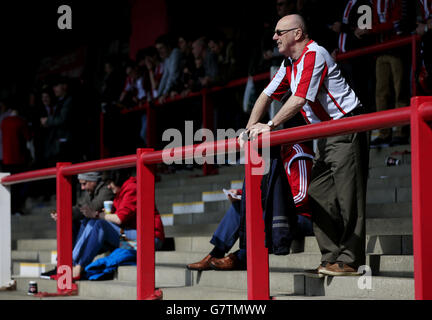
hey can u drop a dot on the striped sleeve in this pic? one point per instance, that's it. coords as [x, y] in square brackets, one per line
[312, 76]
[279, 84]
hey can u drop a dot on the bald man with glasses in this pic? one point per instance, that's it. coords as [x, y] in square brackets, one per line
[337, 191]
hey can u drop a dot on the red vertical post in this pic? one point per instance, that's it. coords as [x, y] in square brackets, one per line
[145, 230]
[207, 122]
[413, 65]
[64, 226]
[421, 175]
[257, 254]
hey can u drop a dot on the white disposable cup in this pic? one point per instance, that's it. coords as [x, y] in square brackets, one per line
[108, 206]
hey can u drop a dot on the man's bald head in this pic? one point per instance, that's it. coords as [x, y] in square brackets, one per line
[291, 35]
[294, 21]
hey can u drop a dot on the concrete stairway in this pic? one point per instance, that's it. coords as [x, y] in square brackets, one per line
[191, 209]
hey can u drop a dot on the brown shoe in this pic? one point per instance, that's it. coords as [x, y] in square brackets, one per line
[317, 272]
[339, 269]
[204, 264]
[230, 262]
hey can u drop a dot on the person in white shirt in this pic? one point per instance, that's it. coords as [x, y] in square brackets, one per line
[338, 188]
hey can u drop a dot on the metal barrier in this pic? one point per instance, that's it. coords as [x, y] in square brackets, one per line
[419, 115]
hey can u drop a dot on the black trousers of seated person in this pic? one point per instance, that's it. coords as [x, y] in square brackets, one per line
[337, 196]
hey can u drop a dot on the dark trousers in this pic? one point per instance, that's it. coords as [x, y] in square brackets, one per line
[338, 198]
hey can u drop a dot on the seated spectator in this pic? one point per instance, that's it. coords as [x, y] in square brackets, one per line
[170, 55]
[95, 192]
[102, 231]
[297, 161]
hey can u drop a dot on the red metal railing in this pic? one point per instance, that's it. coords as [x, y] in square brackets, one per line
[419, 115]
[258, 285]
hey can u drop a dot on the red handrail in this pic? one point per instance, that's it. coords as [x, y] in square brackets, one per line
[391, 44]
[421, 140]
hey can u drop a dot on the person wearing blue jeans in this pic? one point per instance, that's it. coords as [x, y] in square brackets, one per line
[97, 236]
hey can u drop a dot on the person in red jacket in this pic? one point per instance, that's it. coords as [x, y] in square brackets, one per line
[16, 157]
[101, 228]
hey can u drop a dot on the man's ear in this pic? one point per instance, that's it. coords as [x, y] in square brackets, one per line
[299, 34]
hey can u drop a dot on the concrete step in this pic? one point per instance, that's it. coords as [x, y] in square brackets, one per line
[388, 182]
[185, 174]
[281, 282]
[165, 276]
[33, 256]
[375, 244]
[392, 288]
[194, 207]
[389, 226]
[391, 265]
[295, 262]
[378, 156]
[396, 171]
[198, 218]
[37, 244]
[388, 195]
[202, 181]
[389, 210]
[198, 189]
[389, 244]
[26, 269]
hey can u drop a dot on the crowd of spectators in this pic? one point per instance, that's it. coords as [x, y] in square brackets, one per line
[62, 122]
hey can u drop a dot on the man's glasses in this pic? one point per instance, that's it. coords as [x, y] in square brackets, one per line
[281, 32]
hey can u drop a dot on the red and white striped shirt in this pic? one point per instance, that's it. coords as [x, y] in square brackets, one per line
[316, 77]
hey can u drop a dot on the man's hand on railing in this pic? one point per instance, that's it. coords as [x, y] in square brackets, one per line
[257, 129]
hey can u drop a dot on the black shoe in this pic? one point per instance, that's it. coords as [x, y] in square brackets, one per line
[380, 143]
[48, 274]
[397, 141]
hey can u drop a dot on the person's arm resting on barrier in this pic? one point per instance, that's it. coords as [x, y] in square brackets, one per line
[288, 110]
